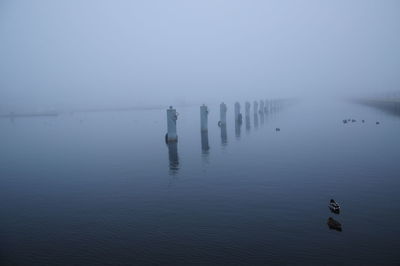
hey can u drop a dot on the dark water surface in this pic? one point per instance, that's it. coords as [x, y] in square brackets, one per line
[105, 189]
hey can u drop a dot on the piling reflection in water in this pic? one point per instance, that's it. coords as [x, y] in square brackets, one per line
[204, 142]
[224, 135]
[247, 109]
[266, 107]
[173, 157]
[247, 121]
[205, 148]
[255, 120]
[238, 126]
[262, 118]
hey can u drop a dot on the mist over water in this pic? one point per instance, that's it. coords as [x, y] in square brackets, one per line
[88, 176]
[99, 54]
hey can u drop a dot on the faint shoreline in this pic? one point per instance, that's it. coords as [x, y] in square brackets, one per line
[89, 110]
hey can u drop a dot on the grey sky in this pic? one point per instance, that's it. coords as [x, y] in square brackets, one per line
[71, 54]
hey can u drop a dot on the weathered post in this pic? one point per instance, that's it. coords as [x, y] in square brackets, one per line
[238, 115]
[203, 118]
[247, 116]
[172, 116]
[222, 114]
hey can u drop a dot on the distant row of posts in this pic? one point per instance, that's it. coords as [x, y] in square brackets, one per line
[259, 108]
[263, 107]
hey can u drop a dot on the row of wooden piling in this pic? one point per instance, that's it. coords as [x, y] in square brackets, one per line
[259, 107]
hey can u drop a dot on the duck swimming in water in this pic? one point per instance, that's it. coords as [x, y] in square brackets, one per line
[334, 206]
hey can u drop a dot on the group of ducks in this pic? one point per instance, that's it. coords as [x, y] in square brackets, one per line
[351, 120]
[332, 223]
[345, 121]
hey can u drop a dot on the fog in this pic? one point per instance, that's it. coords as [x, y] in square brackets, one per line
[99, 54]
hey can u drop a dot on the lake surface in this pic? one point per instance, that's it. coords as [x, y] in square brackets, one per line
[104, 188]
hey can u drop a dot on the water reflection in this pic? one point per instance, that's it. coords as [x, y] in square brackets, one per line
[224, 135]
[204, 142]
[238, 126]
[255, 120]
[334, 225]
[266, 108]
[205, 148]
[173, 157]
[247, 121]
[262, 118]
[247, 109]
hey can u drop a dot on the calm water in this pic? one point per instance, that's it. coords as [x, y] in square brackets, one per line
[105, 189]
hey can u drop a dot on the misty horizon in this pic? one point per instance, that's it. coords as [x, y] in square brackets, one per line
[96, 54]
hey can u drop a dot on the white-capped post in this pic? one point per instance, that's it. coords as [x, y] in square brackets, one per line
[203, 118]
[172, 116]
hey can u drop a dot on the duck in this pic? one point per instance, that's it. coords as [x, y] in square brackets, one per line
[334, 206]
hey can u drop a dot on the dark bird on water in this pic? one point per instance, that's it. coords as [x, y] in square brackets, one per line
[334, 206]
